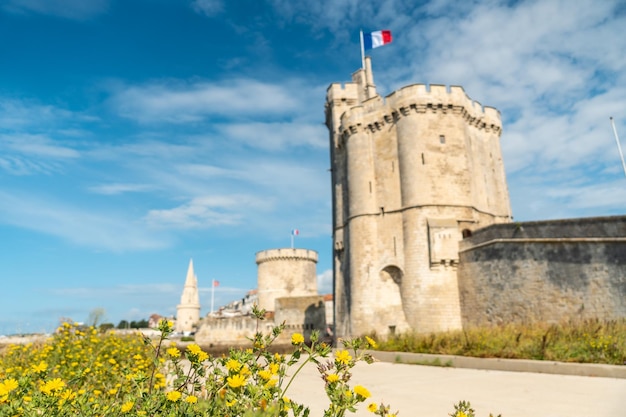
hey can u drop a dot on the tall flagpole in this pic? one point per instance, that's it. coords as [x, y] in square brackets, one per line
[619, 148]
[362, 51]
[212, 293]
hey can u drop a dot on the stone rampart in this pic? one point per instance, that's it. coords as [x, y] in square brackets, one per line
[544, 271]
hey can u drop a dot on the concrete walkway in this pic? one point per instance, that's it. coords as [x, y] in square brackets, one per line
[429, 391]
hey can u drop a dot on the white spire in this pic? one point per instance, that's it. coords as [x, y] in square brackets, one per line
[188, 311]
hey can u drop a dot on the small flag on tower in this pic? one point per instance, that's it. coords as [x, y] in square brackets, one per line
[295, 232]
[216, 283]
[375, 39]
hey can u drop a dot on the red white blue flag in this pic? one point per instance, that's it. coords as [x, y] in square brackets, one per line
[375, 39]
[295, 232]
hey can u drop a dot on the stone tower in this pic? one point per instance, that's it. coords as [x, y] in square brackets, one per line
[412, 173]
[285, 273]
[188, 311]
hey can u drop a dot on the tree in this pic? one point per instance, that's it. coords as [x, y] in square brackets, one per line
[106, 326]
[96, 316]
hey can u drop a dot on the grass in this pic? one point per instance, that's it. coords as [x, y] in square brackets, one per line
[585, 341]
[434, 362]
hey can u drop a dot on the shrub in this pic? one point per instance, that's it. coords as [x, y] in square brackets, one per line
[87, 373]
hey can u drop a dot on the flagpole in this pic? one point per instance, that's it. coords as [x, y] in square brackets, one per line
[619, 148]
[291, 240]
[362, 51]
[212, 293]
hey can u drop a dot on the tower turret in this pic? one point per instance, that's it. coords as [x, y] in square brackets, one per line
[412, 173]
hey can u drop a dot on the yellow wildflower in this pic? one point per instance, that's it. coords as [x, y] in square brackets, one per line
[286, 403]
[53, 385]
[233, 365]
[236, 381]
[245, 371]
[173, 396]
[297, 339]
[40, 368]
[231, 402]
[68, 394]
[372, 407]
[166, 325]
[274, 368]
[197, 353]
[265, 374]
[127, 406]
[343, 356]
[191, 399]
[461, 414]
[371, 342]
[173, 352]
[10, 384]
[332, 378]
[361, 391]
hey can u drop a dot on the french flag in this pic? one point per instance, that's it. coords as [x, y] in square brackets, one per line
[295, 232]
[375, 39]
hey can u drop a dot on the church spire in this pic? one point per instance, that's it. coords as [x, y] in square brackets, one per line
[188, 311]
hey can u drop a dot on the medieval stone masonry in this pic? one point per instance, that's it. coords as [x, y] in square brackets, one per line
[423, 235]
[413, 174]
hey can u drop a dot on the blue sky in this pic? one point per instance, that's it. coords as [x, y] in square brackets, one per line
[138, 134]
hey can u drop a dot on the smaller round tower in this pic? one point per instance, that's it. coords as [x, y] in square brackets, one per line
[188, 311]
[285, 273]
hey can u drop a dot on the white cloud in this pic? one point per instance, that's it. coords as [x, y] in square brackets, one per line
[122, 290]
[82, 226]
[277, 136]
[205, 212]
[36, 145]
[208, 7]
[70, 9]
[113, 189]
[174, 102]
[325, 282]
[18, 114]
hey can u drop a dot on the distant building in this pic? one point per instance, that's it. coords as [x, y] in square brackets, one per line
[154, 320]
[287, 291]
[188, 311]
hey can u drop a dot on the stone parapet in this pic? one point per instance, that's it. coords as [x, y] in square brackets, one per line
[286, 254]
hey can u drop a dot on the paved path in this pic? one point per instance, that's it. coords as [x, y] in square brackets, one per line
[430, 391]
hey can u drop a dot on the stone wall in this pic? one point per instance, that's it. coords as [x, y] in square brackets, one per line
[230, 331]
[301, 315]
[544, 271]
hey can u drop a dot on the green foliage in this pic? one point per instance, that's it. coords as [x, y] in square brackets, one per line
[83, 372]
[587, 341]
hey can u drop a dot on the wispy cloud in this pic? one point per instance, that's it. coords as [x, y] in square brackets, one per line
[113, 189]
[206, 211]
[178, 102]
[123, 290]
[277, 136]
[69, 9]
[18, 114]
[208, 7]
[36, 145]
[82, 226]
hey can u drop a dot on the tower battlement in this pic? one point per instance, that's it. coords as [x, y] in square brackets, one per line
[286, 254]
[377, 112]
